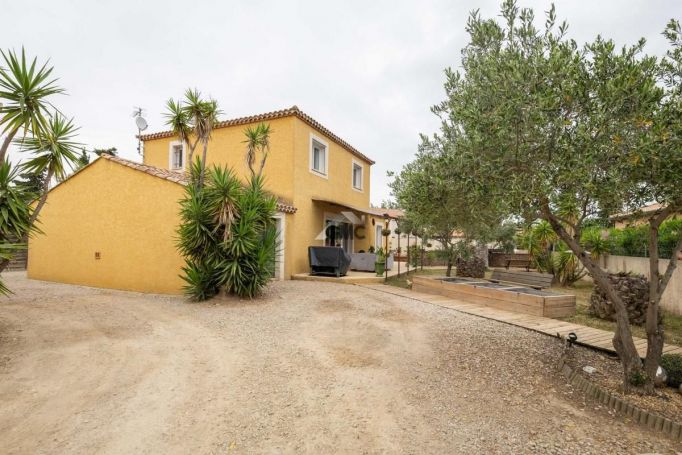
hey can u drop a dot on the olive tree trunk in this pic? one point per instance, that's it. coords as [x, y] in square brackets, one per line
[657, 284]
[622, 338]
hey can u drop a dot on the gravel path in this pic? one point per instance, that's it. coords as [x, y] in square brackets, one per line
[312, 368]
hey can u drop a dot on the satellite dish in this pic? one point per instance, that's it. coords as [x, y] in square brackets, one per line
[141, 123]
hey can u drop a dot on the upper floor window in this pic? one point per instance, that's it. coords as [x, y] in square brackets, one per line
[357, 176]
[176, 156]
[318, 156]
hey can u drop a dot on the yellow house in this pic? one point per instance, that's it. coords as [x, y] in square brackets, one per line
[113, 223]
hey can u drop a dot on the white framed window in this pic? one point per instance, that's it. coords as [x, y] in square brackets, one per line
[357, 176]
[176, 156]
[319, 156]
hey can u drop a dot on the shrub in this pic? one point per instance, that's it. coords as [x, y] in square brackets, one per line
[634, 240]
[227, 235]
[638, 378]
[672, 364]
[415, 255]
[567, 267]
[596, 242]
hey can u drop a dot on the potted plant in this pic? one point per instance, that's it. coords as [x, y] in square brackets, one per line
[380, 263]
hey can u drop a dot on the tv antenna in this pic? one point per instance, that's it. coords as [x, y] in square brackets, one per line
[141, 124]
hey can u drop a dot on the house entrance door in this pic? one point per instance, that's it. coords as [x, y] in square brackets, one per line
[340, 234]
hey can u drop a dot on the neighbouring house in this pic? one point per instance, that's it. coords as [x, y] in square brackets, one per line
[113, 223]
[635, 218]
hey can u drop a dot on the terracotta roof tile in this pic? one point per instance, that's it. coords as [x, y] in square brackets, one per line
[292, 111]
[177, 177]
[180, 178]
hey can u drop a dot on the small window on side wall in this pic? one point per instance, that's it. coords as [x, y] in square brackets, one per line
[318, 156]
[357, 176]
[176, 156]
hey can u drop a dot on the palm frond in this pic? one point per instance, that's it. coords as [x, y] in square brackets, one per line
[25, 89]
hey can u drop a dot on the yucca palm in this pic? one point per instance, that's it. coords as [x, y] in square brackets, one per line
[222, 200]
[193, 117]
[257, 141]
[15, 212]
[204, 129]
[24, 91]
[228, 235]
[54, 152]
[568, 267]
[544, 234]
[596, 241]
[14, 216]
[178, 120]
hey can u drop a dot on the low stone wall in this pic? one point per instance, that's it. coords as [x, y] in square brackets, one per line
[672, 297]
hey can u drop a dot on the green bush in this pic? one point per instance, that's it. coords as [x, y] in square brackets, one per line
[415, 255]
[634, 240]
[227, 235]
[638, 378]
[672, 364]
[668, 236]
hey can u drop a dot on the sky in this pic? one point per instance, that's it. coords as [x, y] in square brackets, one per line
[367, 70]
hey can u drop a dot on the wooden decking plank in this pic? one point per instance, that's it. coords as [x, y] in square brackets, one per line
[639, 343]
[564, 331]
[553, 331]
[598, 337]
[588, 336]
[550, 323]
[585, 332]
[607, 339]
[671, 348]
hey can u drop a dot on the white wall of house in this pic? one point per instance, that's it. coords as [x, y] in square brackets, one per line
[672, 297]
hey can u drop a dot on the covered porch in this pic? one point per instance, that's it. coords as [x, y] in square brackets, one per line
[356, 231]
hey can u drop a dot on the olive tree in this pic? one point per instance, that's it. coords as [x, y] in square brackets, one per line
[542, 124]
[428, 190]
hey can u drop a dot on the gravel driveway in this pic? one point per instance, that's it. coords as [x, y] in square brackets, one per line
[313, 368]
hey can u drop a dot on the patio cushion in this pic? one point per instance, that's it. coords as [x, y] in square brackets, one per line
[365, 262]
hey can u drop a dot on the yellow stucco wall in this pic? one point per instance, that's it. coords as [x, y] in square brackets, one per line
[337, 186]
[129, 217]
[288, 175]
[227, 148]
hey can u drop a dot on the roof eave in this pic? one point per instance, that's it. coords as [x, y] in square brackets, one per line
[293, 111]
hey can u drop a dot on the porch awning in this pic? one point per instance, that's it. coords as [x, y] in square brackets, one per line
[369, 210]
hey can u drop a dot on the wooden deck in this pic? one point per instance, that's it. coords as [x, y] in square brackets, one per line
[587, 336]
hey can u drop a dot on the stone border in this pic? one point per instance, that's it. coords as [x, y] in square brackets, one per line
[651, 420]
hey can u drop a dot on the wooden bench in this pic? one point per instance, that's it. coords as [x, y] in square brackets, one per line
[518, 263]
[535, 280]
